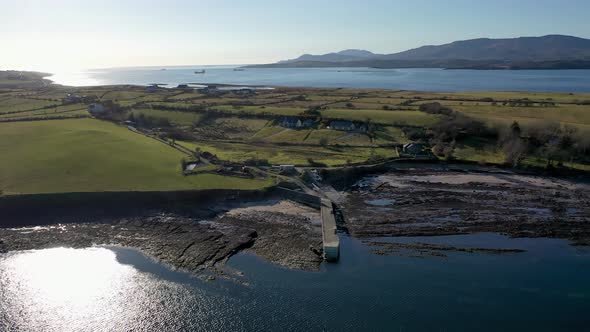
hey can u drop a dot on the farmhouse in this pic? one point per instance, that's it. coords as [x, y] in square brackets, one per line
[413, 148]
[154, 87]
[296, 123]
[72, 98]
[345, 125]
[96, 108]
[211, 90]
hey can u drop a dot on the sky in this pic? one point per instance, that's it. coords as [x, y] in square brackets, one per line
[80, 34]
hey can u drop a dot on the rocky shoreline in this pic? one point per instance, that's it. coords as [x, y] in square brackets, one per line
[398, 203]
[288, 238]
[420, 249]
[421, 202]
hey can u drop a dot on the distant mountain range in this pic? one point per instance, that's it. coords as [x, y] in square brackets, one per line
[346, 55]
[547, 52]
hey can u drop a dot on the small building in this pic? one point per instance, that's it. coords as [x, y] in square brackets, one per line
[413, 148]
[96, 108]
[152, 88]
[72, 98]
[292, 123]
[308, 123]
[296, 123]
[346, 125]
[211, 90]
[245, 92]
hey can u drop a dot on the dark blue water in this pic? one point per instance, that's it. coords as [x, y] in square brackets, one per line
[397, 79]
[543, 289]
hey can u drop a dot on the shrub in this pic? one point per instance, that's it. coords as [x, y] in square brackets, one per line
[435, 108]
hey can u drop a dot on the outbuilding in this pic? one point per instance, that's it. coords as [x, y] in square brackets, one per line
[96, 108]
[413, 148]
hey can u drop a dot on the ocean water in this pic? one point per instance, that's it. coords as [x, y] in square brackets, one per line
[397, 79]
[116, 289]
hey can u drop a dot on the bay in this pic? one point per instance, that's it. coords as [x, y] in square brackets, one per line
[571, 81]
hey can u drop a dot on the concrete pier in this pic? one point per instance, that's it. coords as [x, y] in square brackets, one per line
[329, 235]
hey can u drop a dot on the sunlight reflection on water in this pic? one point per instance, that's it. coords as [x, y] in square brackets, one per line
[89, 290]
[78, 78]
[120, 289]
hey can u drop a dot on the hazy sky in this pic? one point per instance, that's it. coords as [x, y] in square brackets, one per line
[52, 34]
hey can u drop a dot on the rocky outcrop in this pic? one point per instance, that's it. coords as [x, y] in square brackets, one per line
[291, 241]
[290, 238]
[180, 242]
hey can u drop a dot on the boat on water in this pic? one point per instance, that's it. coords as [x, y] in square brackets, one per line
[202, 71]
[238, 69]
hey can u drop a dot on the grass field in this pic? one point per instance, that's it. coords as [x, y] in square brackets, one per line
[177, 118]
[88, 155]
[413, 118]
[291, 155]
[494, 155]
[75, 110]
[575, 115]
[15, 104]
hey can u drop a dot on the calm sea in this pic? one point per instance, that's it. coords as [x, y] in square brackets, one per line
[115, 289]
[397, 79]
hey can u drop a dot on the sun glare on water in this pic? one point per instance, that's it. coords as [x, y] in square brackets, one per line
[61, 275]
[73, 77]
[61, 289]
[50, 289]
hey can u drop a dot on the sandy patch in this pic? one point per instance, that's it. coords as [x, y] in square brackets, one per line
[402, 181]
[282, 206]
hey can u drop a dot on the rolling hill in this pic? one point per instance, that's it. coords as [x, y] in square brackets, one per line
[547, 52]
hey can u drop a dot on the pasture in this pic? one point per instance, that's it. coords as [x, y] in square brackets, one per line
[87, 155]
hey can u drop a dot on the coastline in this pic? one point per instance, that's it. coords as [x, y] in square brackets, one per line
[192, 231]
[198, 235]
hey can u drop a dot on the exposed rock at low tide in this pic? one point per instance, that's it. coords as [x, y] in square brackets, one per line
[428, 249]
[177, 241]
[192, 244]
[429, 202]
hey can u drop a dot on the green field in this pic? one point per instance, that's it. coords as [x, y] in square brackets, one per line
[291, 155]
[42, 151]
[88, 155]
[177, 118]
[576, 115]
[413, 118]
[16, 104]
[75, 110]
